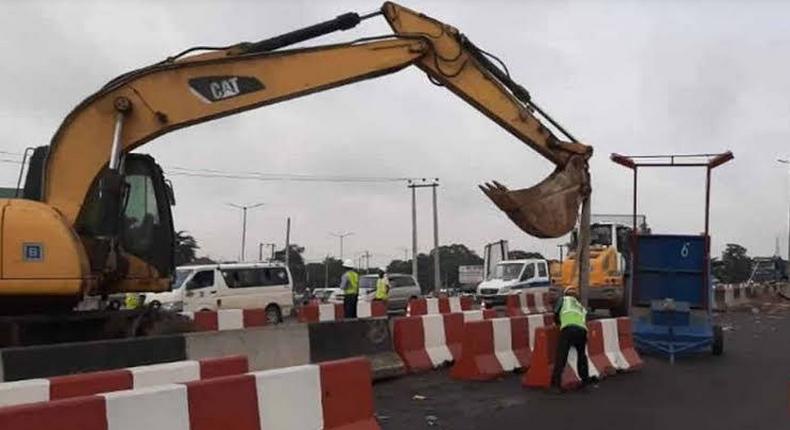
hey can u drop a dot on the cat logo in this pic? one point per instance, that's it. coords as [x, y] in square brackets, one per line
[212, 89]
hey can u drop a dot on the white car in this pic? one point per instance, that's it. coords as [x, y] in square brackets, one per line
[512, 277]
[229, 286]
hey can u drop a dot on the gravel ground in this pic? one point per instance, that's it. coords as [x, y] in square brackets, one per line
[746, 388]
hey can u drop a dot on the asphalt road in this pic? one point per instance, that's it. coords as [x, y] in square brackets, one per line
[746, 388]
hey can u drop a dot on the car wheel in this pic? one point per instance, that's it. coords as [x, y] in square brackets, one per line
[155, 305]
[273, 314]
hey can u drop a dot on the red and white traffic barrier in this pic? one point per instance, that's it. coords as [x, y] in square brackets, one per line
[726, 296]
[610, 348]
[441, 305]
[428, 341]
[525, 303]
[227, 319]
[479, 315]
[335, 395]
[371, 309]
[492, 347]
[318, 312]
[83, 384]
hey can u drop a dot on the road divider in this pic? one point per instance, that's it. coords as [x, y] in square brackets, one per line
[317, 312]
[83, 384]
[227, 319]
[428, 341]
[334, 395]
[441, 305]
[492, 347]
[369, 337]
[525, 303]
[610, 348]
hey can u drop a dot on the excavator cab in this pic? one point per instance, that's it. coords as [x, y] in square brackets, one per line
[126, 222]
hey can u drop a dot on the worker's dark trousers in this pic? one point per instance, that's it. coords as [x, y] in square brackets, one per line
[571, 336]
[350, 305]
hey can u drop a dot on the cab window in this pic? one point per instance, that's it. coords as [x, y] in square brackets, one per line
[255, 277]
[202, 279]
[529, 272]
[542, 272]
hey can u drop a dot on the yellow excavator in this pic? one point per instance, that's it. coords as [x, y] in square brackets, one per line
[95, 219]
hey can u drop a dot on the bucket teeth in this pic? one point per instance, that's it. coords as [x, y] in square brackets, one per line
[549, 209]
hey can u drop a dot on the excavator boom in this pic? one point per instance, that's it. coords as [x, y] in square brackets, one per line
[82, 171]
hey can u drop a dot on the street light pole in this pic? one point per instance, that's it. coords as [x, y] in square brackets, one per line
[787, 162]
[244, 223]
[341, 236]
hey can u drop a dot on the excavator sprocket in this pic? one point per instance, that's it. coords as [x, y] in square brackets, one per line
[549, 209]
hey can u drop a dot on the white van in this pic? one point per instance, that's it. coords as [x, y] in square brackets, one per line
[513, 277]
[230, 286]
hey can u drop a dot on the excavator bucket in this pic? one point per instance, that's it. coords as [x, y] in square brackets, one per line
[549, 209]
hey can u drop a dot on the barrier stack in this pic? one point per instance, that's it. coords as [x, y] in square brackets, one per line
[318, 312]
[525, 303]
[227, 319]
[610, 349]
[441, 305]
[332, 395]
[83, 384]
[492, 347]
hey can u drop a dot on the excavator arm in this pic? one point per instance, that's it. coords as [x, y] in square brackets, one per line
[89, 152]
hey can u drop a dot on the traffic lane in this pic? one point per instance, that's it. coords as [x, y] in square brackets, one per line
[746, 388]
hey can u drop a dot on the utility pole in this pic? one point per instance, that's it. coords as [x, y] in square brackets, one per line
[434, 183]
[288, 243]
[341, 236]
[366, 254]
[326, 272]
[787, 162]
[561, 247]
[244, 223]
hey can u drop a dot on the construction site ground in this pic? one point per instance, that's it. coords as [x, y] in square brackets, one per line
[746, 388]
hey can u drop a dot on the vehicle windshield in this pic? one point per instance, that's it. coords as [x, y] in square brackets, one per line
[601, 234]
[181, 276]
[367, 282]
[507, 271]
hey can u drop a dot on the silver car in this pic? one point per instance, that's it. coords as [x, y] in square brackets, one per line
[402, 288]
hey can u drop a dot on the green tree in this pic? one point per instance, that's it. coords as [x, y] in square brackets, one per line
[316, 273]
[185, 249]
[735, 265]
[295, 264]
[450, 257]
[518, 254]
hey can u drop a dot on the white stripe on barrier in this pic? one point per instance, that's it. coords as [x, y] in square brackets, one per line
[364, 309]
[611, 344]
[165, 373]
[290, 398]
[573, 357]
[164, 407]
[539, 305]
[503, 344]
[473, 316]
[432, 305]
[534, 321]
[21, 392]
[435, 342]
[230, 319]
[326, 312]
[455, 304]
[190, 315]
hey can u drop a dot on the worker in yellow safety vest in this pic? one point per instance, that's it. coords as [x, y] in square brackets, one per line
[571, 315]
[382, 287]
[349, 283]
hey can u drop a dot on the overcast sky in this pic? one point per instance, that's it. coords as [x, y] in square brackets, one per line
[630, 77]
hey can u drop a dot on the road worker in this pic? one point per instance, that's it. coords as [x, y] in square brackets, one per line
[571, 316]
[349, 283]
[382, 287]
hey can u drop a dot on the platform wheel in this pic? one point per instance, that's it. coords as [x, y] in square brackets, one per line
[718, 340]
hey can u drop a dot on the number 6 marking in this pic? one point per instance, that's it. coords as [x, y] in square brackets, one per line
[684, 252]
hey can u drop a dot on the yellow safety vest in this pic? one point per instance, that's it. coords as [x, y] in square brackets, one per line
[572, 313]
[352, 286]
[381, 289]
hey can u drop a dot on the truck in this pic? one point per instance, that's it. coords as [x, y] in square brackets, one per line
[610, 260]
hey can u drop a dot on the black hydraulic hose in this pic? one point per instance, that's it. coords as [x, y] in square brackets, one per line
[343, 22]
